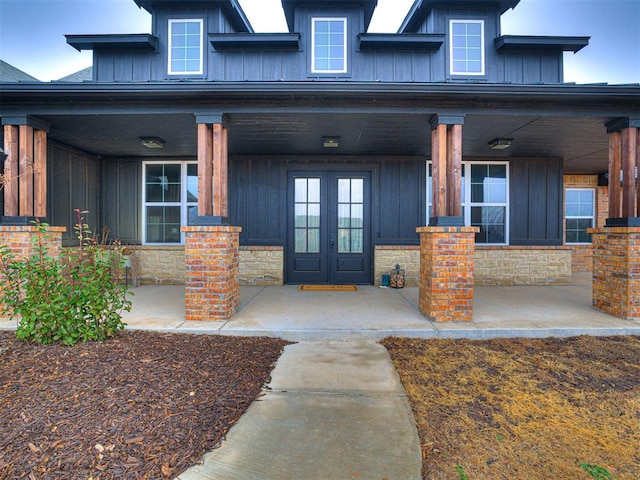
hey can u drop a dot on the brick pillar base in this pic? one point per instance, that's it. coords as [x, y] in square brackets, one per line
[616, 271]
[446, 273]
[21, 242]
[212, 283]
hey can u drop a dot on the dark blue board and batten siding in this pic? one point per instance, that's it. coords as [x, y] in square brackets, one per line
[269, 62]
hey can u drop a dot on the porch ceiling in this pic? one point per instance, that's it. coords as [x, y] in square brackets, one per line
[581, 141]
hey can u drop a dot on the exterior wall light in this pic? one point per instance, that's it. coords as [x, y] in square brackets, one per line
[500, 143]
[152, 142]
[331, 142]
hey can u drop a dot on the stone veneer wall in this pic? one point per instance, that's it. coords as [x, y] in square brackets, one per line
[261, 265]
[514, 265]
[386, 257]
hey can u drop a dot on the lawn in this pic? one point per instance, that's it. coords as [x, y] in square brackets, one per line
[139, 406]
[524, 409]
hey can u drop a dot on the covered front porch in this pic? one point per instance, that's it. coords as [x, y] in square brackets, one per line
[374, 313]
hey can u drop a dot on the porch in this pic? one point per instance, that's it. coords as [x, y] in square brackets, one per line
[374, 313]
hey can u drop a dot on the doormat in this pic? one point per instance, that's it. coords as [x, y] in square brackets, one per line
[328, 288]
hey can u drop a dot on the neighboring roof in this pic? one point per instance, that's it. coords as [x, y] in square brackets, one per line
[231, 8]
[128, 42]
[9, 73]
[522, 43]
[421, 9]
[85, 75]
[289, 7]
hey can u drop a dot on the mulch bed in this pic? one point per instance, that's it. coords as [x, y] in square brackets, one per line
[524, 408]
[139, 406]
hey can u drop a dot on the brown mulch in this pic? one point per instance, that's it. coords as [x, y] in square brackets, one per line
[139, 406]
[524, 408]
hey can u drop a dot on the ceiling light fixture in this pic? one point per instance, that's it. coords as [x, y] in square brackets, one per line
[331, 142]
[500, 143]
[152, 142]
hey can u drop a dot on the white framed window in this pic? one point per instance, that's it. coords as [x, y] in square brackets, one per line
[170, 200]
[185, 47]
[580, 214]
[466, 47]
[485, 200]
[329, 45]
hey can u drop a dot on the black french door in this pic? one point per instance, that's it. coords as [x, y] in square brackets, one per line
[328, 227]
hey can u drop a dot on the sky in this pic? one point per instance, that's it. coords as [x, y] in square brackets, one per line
[32, 31]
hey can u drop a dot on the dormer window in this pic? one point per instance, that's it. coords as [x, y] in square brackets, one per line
[185, 47]
[329, 45]
[466, 53]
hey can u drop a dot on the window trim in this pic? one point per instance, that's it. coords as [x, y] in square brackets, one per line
[183, 204]
[467, 204]
[452, 71]
[345, 63]
[592, 216]
[172, 21]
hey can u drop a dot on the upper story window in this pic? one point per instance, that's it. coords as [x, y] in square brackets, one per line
[329, 45]
[185, 47]
[466, 47]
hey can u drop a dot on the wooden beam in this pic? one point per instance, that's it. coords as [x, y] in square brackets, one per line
[638, 169]
[205, 171]
[26, 171]
[224, 204]
[11, 149]
[615, 145]
[439, 171]
[629, 172]
[40, 173]
[220, 167]
[454, 171]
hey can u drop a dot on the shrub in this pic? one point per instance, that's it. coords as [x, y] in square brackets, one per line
[69, 298]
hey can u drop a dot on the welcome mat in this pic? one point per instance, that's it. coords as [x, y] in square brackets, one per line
[328, 288]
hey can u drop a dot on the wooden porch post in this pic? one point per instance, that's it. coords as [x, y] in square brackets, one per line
[213, 190]
[629, 172]
[205, 171]
[25, 174]
[624, 145]
[446, 171]
[614, 174]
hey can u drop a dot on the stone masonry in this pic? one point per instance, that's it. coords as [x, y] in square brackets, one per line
[616, 271]
[212, 286]
[447, 271]
[510, 265]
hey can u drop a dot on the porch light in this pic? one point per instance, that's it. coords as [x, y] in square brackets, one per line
[152, 142]
[500, 143]
[331, 142]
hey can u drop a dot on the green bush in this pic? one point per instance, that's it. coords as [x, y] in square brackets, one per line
[68, 299]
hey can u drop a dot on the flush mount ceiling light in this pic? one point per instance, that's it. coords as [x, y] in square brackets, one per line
[331, 142]
[152, 142]
[500, 143]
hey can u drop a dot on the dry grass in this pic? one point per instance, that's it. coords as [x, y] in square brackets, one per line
[524, 409]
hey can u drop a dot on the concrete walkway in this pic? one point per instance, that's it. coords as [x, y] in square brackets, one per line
[332, 411]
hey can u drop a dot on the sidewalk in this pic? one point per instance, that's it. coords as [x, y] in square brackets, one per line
[333, 410]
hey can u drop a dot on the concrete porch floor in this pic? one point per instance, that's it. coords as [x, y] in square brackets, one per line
[374, 313]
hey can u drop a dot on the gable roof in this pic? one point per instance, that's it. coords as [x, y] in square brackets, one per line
[84, 75]
[289, 7]
[9, 73]
[421, 9]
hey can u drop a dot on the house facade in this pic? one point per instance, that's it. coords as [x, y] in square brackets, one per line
[322, 154]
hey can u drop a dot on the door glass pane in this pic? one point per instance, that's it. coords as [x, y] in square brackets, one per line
[350, 215]
[344, 215]
[344, 190]
[344, 240]
[307, 215]
[357, 190]
[357, 216]
[357, 241]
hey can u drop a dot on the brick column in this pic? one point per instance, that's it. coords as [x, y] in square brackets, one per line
[446, 273]
[212, 285]
[616, 271]
[19, 239]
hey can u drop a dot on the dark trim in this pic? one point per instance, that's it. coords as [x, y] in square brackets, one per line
[535, 242]
[539, 44]
[210, 221]
[21, 221]
[255, 41]
[620, 124]
[446, 221]
[26, 120]
[406, 41]
[438, 119]
[139, 42]
[623, 222]
[212, 119]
